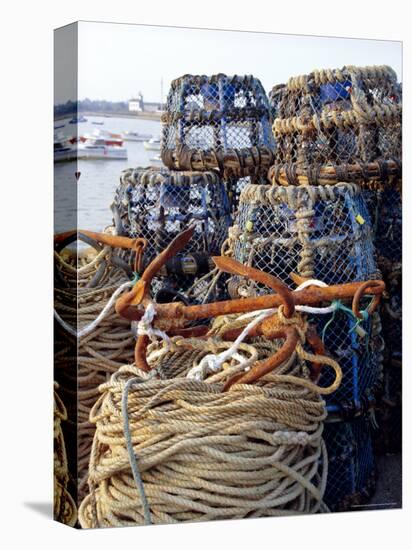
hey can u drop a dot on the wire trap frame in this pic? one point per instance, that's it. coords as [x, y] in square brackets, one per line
[323, 233]
[157, 204]
[351, 463]
[217, 122]
[338, 125]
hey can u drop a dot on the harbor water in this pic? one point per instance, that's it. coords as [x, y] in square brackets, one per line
[97, 179]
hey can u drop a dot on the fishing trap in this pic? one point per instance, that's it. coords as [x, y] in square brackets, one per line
[217, 122]
[157, 204]
[322, 233]
[351, 463]
[338, 125]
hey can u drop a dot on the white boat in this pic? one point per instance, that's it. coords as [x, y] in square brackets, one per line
[135, 136]
[76, 120]
[64, 148]
[156, 159]
[152, 145]
[96, 148]
[109, 137]
[64, 151]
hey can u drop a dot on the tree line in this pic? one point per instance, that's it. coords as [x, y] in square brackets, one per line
[90, 105]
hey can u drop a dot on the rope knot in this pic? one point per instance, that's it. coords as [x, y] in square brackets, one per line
[297, 320]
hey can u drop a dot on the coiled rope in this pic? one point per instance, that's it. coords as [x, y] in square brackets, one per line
[64, 508]
[202, 453]
[102, 343]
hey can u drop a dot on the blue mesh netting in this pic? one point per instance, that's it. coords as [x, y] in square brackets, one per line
[216, 115]
[323, 234]
[158, 204]
[351, 465]
[386, 208]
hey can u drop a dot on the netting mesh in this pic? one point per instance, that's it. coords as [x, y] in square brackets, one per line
[388, 243]
[218, 122]
[389, 411]
[351, 465]
[318, 232]
[323, 233]
[386, 206]
[235, 186]
[158, 204]
[361, 359]
[337, 125]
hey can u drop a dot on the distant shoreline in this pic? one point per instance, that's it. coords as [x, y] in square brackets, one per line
[141, 115]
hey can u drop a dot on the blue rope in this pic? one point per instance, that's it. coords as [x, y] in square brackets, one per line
[132, 457]
[136, 277]
[341, 307]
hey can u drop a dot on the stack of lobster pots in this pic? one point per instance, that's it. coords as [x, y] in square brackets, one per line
[331, 211]
[219, 123]
[216, 135]
[301, 187]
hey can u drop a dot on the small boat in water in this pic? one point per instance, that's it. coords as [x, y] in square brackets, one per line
[59, 127]
[64, 149]
[109, 137]
[152, 145]
[96, 148]
[135, 136]
[77, 120]
[97, 122]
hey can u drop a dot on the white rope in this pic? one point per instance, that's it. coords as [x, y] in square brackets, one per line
[68, 328]
[311, 282]
[317, 310]
[94, 324]
[144, 327]
[213, 363]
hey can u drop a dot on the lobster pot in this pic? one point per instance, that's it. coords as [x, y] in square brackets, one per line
[386, 206]
[360, 355]
[217, 122]
[351, 464]
[84, 362]
[338, 125]
[324, 233]
[389, 411]
[157, 204]
[388, 243]
[204, 453]
[321, 232]
[235, 187]
[64, 508]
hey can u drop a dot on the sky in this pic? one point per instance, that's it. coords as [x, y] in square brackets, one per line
[116, 61]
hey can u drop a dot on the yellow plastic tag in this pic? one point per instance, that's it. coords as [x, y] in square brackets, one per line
[359, 219]
[249, 225]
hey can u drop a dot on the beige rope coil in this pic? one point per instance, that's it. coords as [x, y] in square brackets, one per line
[64, 508]
[83, 364]
[204, 454]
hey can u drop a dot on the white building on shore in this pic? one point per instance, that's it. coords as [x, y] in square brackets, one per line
[136, 104]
